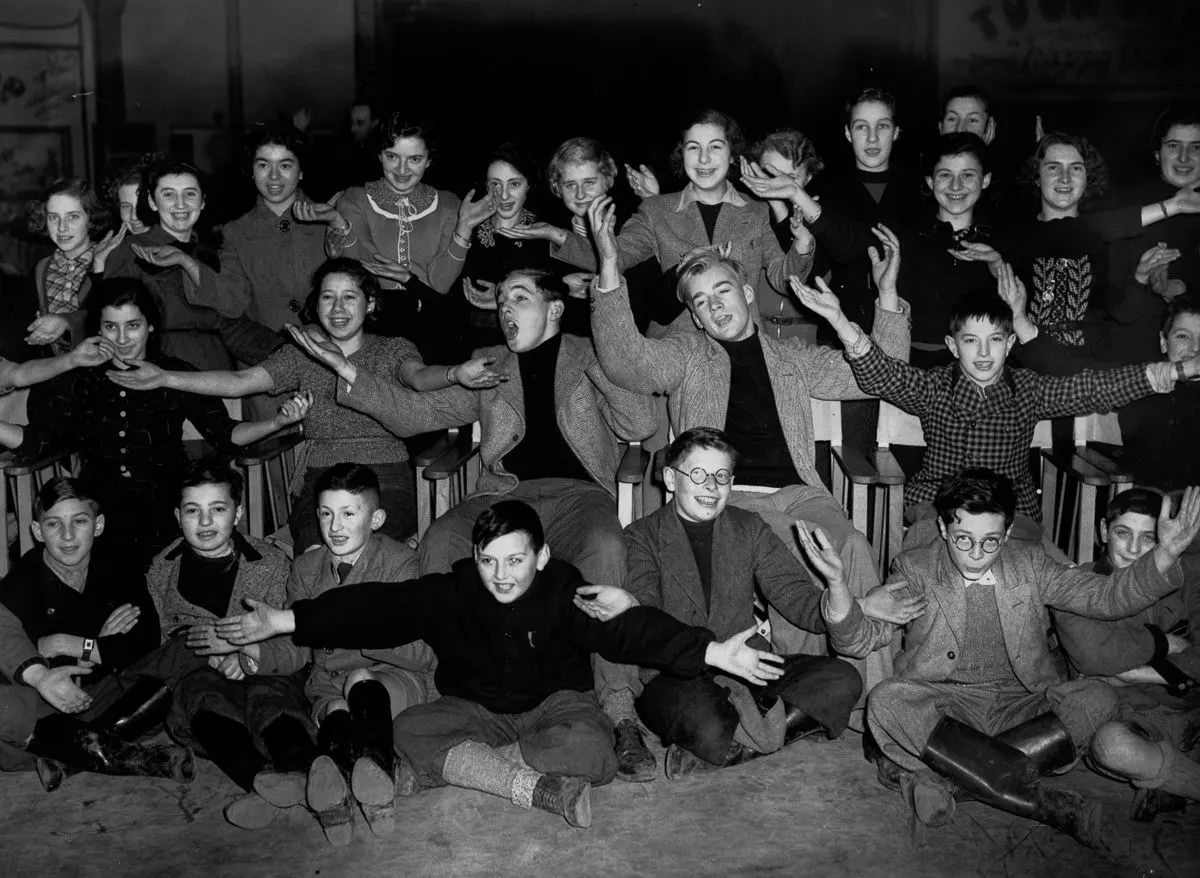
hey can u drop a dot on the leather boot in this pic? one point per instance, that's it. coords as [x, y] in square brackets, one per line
[635, 762]
[681, 762]
[1045, 741]
[329, 798]
[1002, 776]
[77, 747]
[798, 724]
[140, 710]
[228, 744]
[372, 780]
[568, 796]
[335, 738]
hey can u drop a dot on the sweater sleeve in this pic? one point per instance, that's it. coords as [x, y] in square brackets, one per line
[1124, 592]
[629, 358]
[406, 412]
[1092, 390]
[1103, 648]
[17, 651]
[902, 385]
[643, 636]
[370, 615]
[121, 650]
[447, 262]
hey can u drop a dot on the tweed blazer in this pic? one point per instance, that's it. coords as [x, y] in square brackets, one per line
[694, 370]
[668, 227]
[262, 574]
[383, 560]
[592, 412]
[1028, 582]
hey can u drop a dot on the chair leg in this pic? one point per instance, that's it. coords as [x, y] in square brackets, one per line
[1086, 520]
[254, 500]
[25, 493]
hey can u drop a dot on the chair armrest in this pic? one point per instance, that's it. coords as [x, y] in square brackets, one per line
[887, 468]
[23, 466]
[1100, 458]
[632, 469]
[854, 464]
[269, 448]
[461, 449]
[435, 449]
[1068, 461]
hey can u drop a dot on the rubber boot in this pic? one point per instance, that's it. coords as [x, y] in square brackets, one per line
[373, 780]
[228, 745]
[798, 724]
[1045, 741]
[291, 751]
[140, 710]
[568, 796]
[78, 747]
[335, 738]
[1002, 776]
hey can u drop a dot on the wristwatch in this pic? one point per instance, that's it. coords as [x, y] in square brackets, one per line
[88, 646]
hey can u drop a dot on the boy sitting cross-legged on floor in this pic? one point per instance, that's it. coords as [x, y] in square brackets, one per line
[355, 692]
[518, 717]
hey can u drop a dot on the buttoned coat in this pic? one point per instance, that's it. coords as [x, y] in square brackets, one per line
[1028, 581]
[694, 370]
[591, 411]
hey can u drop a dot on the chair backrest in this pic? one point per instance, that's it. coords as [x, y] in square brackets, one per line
[1104, 428]
[827, 421]
[898, 427]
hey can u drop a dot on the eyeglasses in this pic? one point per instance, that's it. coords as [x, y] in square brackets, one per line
[964, 543]
[699, 475]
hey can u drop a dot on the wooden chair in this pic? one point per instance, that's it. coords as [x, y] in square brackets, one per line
[850, 474]
[269, 465]
[1096, 438]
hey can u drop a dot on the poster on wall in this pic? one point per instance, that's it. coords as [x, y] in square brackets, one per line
[1065, 50]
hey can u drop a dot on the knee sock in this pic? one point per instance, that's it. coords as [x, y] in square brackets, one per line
[1178, 774]
[477, 766]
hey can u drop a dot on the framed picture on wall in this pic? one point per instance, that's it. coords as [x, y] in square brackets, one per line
[31, 157]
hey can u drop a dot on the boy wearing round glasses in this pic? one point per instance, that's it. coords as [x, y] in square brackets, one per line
[977, 705]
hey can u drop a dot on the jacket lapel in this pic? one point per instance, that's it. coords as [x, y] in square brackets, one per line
[1010, 602]
[680, 563]
[568, 371]
[511, 415]
[947, 590]
[729, 563]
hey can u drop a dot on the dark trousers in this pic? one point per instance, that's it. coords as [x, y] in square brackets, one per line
[697, 714]
[567, 733]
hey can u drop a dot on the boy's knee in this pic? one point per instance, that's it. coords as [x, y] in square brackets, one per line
[353, 678]
[1124, 749]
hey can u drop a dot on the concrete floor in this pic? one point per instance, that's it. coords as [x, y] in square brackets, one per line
[814, 809]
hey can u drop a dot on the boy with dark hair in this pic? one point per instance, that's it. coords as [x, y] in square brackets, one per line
[702, 560]
[1152, 662]
[976, 411]
[517, 717]
[69, 609]
[355, 693]
[977, 702]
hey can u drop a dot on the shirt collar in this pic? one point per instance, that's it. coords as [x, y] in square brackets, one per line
[729, 196]
[988, 578]
[240, 545]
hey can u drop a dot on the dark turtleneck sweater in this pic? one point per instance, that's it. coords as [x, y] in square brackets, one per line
[543, 452]
[752, 419]
[700, 537]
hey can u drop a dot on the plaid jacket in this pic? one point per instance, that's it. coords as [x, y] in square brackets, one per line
[967, 425]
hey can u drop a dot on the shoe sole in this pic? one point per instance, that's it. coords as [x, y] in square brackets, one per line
[375, 793]
[250, 812]
[283, 790]
[578, 810]
[329, 798]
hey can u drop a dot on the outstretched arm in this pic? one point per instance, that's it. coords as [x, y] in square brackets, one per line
[143, 375]
[90, 352]
[291, 412]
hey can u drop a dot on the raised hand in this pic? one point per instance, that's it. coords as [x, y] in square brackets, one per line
[202, 639]
[1176, 533]
[577, 283]
[885, 268]
[160, 255]
[884, 603]
[1187, 200]
[46, 328]
[821, 555]
[313, 342]
[1158, 256]
[735, 657]
[317, 212]
[106, 246]
[774, 186]
[120, 620]
[294, 410]
[480, 293]
[1011, 290]
[603, 602]
[1164, 285]
[262, 622]
[92, 352]
[602, 218]
[138, 375]
[477, 373]
[821, 300]
[59, 689]
[392, 271]
[472, 213]
[642, 181]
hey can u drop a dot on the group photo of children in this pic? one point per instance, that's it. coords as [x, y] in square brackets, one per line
[380, 492]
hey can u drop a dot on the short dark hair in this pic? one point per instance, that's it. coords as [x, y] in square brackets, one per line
[213, 472]
[576, 151]
[968, 91]
[701, 437]
[549, 283]
[515, 155]
[274, 135]
[1168, 119]
[62, 488]
[133, 174]
[1185, 304]
[983, 305]
[976, 491]
[354, 478]
[794, 146]
[367, 282]
[1141, 501]
[1093, 163]
[113, 292]
[871, 95]
[166, 168]
[698, 263]
[733, 136]
[396, 126]
[955, 143]
[98, 216]
[506, 517]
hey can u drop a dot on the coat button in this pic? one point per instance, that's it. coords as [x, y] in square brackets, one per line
[950, 655]
[328, 651]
